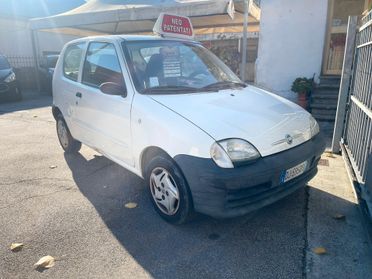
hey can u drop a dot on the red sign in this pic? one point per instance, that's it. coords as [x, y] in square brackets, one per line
[176, 24]
[173, 26]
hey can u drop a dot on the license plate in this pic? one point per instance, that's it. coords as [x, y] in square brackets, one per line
[293, 172]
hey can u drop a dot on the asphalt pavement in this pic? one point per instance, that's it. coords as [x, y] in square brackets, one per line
[72, 208]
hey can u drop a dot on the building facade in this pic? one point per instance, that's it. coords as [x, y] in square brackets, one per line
[302, 39]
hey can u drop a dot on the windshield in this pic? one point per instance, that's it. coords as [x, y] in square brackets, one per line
[176, 67]
[4, 63]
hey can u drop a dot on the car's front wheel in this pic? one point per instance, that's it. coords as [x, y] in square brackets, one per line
[68, 143]
[17, 94]
[169, 191]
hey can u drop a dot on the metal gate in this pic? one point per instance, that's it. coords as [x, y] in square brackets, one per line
[357, 135]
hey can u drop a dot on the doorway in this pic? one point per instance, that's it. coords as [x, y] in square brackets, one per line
[338, 13]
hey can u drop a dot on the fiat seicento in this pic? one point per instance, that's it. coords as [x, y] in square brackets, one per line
[171, 112]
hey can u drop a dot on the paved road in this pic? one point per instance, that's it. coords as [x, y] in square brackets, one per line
[75, 212]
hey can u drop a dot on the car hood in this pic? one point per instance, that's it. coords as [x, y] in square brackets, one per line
[4, 73]
[262, 118]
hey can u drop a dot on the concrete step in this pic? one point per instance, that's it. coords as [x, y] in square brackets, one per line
[328, 87]
[323, 105]
[329, 76]
[325, 93]
[319, 113]
[323, 111]
[326, 118]
[325, 96]
[323, 101]
[329, 79]
[320, 97]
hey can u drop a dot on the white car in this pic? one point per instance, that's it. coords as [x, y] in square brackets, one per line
[171, 112]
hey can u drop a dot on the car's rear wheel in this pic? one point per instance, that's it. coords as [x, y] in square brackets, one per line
[169, 191]
[68, 143]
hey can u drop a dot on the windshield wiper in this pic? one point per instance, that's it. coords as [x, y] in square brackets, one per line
[169, 89]
[225, 85]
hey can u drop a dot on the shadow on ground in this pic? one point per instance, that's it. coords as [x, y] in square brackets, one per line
[268, 243]
[36, 102]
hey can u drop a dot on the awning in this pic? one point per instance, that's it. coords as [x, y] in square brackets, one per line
[139, 16]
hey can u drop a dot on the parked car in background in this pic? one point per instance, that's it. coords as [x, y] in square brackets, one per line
[46, 70]
[9, 88]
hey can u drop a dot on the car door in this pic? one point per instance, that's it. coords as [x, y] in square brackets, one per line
[104, 118]
[66, 84]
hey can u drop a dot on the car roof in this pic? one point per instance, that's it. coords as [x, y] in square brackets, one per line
[128, 38]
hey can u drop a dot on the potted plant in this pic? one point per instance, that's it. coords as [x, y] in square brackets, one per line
[302, 86]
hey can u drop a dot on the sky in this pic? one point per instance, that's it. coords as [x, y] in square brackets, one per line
[36, 8]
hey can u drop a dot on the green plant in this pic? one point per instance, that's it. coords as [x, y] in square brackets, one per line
[302, 85]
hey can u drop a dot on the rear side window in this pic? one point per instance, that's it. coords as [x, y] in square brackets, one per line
[102, 65]
[71, 61]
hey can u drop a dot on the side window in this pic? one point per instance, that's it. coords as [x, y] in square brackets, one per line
[71, 61]
[102, 65]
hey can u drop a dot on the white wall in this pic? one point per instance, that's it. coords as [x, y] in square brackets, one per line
[52, 41]
[291, 41]
[15, 38]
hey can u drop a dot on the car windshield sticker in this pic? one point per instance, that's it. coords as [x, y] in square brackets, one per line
[154, 81]
[172, 67]
[171, 62]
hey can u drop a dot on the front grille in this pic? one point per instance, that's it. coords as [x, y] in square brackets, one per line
[250, 195]
[246, 193]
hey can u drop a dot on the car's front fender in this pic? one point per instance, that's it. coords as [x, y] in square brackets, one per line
[154, 125]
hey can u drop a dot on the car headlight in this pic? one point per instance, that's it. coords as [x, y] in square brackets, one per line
[314, 126]
[10, 78]
[230, 152]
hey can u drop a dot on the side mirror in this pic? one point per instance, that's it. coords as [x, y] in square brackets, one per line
[112, 88]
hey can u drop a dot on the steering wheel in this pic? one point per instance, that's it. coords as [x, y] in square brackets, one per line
[197, 72]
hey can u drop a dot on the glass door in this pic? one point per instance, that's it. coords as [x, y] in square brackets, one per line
[339, 11]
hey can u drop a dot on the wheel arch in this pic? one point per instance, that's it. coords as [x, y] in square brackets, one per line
[153, 151]
[56, 111]
[148, 153]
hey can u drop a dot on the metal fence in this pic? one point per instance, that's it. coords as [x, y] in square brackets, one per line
[358, 131]
[25, 70]
[21, 61]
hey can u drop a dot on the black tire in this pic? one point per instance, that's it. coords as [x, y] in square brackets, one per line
[17, 95]
[69, 144]
[185, 209]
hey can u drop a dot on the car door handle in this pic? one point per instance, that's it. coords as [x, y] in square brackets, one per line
[79, 95]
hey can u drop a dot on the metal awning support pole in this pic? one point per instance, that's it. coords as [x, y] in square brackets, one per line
[345, 83]
[35, 51]
[244, 47]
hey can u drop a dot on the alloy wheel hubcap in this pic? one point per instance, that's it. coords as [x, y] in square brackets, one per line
[62, 133]
[164, 191]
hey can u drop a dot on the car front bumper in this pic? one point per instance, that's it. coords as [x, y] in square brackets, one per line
[224, 193]
[8, 90]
